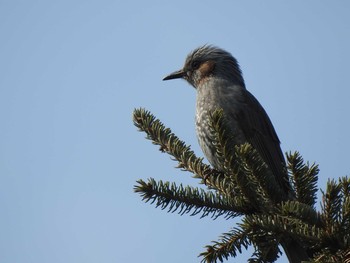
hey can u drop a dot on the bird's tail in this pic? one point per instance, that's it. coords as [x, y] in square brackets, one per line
[295, 252]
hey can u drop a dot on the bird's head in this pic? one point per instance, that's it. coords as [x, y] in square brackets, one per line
[207, 62]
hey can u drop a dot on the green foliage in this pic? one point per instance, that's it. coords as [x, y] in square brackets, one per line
[189, 200]
[247, 188]
[228, 245]
[304, 177]
[168, 142]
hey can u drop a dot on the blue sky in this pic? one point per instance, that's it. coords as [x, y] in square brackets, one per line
[73, 71]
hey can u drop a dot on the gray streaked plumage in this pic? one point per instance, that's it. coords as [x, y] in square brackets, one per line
[218, 80]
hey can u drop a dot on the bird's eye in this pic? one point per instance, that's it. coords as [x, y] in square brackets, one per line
[195, 64]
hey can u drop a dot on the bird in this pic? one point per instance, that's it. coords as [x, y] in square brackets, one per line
[218, 80]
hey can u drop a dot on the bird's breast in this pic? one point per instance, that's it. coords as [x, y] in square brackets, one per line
[209, 99]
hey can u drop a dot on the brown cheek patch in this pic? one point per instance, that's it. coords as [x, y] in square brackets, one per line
[207, 68]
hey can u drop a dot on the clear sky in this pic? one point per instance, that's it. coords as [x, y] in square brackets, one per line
[73, 71]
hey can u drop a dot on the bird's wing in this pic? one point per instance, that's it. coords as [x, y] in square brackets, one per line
[260, 133]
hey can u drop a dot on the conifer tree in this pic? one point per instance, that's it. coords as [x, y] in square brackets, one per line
[247, 189]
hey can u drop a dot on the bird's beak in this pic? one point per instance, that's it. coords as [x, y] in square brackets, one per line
[176, 75]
